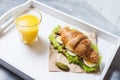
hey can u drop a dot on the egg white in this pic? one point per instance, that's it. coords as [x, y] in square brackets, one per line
[58, 38]
[88, 64]
[71, 53]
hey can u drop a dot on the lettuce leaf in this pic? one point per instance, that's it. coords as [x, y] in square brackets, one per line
[94, 47]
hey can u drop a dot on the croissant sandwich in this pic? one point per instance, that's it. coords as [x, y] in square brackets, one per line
[72, 50]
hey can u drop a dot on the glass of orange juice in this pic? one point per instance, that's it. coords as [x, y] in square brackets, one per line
[27, 23]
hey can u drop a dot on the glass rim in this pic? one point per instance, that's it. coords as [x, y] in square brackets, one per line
[19, 12]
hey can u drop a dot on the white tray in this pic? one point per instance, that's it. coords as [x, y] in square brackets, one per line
[33, 62]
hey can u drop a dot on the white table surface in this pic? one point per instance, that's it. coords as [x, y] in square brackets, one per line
[79, 9]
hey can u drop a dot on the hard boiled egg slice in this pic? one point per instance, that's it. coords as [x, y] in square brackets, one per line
[71, 53]
[58, 38]
[88, 63]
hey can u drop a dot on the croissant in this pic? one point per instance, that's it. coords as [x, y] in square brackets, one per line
[78, 43]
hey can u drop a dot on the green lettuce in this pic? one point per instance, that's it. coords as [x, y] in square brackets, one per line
[94, 47]
[72, 59]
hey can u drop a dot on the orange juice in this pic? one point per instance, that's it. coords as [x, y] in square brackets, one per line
[28, 26]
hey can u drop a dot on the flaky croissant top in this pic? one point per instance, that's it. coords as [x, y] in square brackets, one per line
[78, 43]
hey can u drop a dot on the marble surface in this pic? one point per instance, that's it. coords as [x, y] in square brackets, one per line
[7, 75]
[79, 9]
